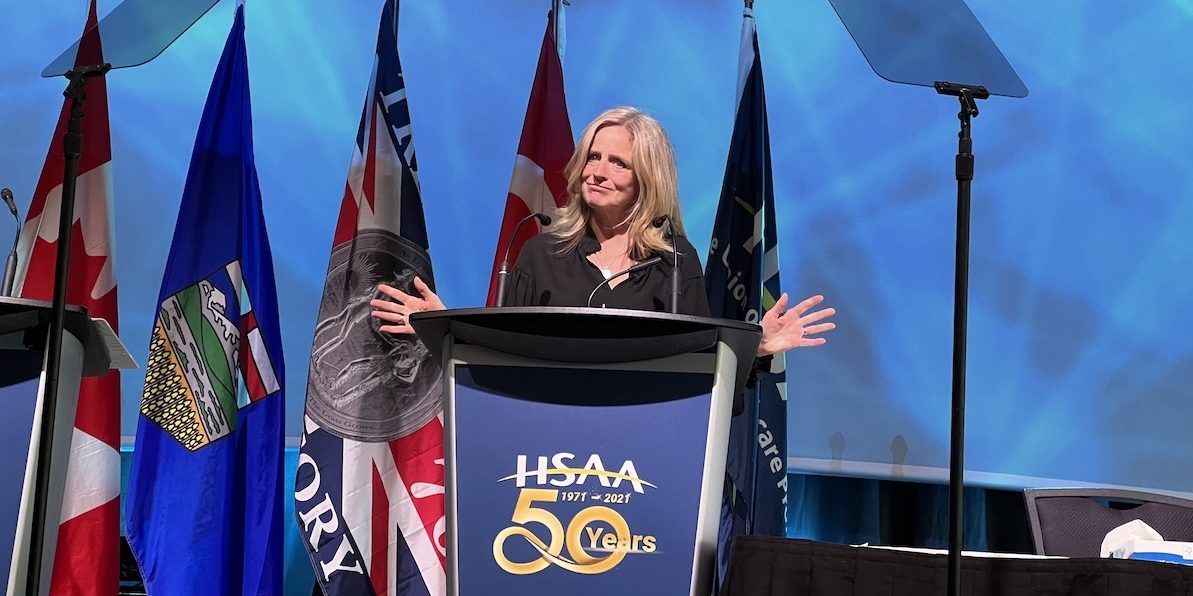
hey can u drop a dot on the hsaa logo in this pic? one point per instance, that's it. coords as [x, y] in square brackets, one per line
[561, 472]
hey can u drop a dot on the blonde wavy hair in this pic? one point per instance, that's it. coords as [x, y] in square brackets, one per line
[653, 166]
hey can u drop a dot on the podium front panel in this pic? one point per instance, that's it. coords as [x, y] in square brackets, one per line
[25, 457]
[20, 382]
[568, 478]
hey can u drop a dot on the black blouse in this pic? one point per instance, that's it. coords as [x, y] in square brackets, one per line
[543, 277]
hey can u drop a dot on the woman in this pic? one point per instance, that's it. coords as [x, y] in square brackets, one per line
[621, 179]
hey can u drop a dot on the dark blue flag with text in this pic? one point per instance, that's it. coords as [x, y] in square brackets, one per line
[742, 277]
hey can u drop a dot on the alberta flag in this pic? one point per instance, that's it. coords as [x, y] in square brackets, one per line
[204, 509]
[368, 492]
[743, 281]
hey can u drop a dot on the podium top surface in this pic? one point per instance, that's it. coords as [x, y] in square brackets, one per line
[102, 349]
[585, 335]
[17, 314]
[546, 319]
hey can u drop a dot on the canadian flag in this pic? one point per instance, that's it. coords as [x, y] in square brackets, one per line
[539, 184]
[87, 557]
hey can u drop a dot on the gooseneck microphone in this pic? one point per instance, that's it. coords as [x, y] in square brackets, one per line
[6, 194]
[651, 262]
[10, 264]
[670, 235]
[504, 273]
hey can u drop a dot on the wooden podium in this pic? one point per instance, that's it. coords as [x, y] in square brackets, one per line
[585, 448]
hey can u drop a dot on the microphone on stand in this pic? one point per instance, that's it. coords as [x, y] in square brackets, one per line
[10, 264]
[6, 194]
[651, 262]
[504, 273]
[658, 222]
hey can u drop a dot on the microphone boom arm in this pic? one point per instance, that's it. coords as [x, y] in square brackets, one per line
[651, 262]
[504, 272]
[10, 264]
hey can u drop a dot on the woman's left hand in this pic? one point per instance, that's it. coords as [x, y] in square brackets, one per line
[784, 329]
[394, 312]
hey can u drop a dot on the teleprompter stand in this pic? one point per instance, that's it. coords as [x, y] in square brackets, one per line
[940, 44]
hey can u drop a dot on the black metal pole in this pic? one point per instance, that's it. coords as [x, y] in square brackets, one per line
[964, 167]
[72, 147]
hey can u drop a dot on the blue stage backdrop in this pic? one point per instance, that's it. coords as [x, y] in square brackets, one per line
[1081, 350]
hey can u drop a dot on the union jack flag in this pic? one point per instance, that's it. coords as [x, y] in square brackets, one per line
[369, 488]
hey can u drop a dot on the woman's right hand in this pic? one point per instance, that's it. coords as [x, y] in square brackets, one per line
[400, 305]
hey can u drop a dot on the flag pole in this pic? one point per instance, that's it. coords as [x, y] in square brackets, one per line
[555, 6]
[72, 148]
[557, 18]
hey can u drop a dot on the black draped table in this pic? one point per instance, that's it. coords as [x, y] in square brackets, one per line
[760, 566]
